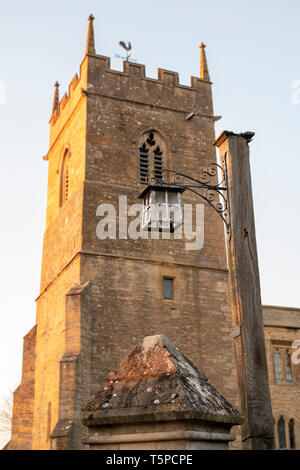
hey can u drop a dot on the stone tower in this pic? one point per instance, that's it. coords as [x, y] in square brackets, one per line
[99, 298]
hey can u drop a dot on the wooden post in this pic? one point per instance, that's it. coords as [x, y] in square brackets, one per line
[248, 329]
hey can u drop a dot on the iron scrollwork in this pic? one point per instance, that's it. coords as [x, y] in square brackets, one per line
[211, 186]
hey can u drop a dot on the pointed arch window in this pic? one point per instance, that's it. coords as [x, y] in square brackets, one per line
[151, 157]
[292, 434]
[281, 433]
[64, 178]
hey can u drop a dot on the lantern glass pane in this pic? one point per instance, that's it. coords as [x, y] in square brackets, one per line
[175, 213]
[160, 212]
[173, 198]
[160, 196]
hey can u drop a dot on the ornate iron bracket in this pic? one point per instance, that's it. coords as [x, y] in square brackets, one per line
[211, 186]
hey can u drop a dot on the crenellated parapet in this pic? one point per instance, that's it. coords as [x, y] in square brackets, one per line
[67, 104]
[59, 105]
[132, 70]
[97, 78]
[133, 84]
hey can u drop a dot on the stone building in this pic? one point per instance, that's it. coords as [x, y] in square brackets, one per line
[282, 332]
[100, 297]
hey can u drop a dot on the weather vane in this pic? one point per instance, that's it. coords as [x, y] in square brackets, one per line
[127, 48]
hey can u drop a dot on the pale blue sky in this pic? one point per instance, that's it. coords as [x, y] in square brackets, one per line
[253, 57]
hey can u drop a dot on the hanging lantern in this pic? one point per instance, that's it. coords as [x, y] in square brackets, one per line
[162, 209]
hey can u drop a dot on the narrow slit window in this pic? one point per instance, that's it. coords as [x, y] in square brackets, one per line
[158, 164]
[292, 434]
[66, 188]
[151, 158]
[281, 433]
[288, 367]
[49, 421]
[143, 163]
[168, 285]
[64, 178]
[278, 365]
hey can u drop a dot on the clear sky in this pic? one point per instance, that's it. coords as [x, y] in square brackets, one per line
[253, 58]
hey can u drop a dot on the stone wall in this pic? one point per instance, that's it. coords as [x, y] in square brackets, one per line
[21, 436]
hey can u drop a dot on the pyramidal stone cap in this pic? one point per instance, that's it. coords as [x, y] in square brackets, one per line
[157, 382]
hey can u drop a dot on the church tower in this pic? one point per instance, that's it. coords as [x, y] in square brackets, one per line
[100, 297]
